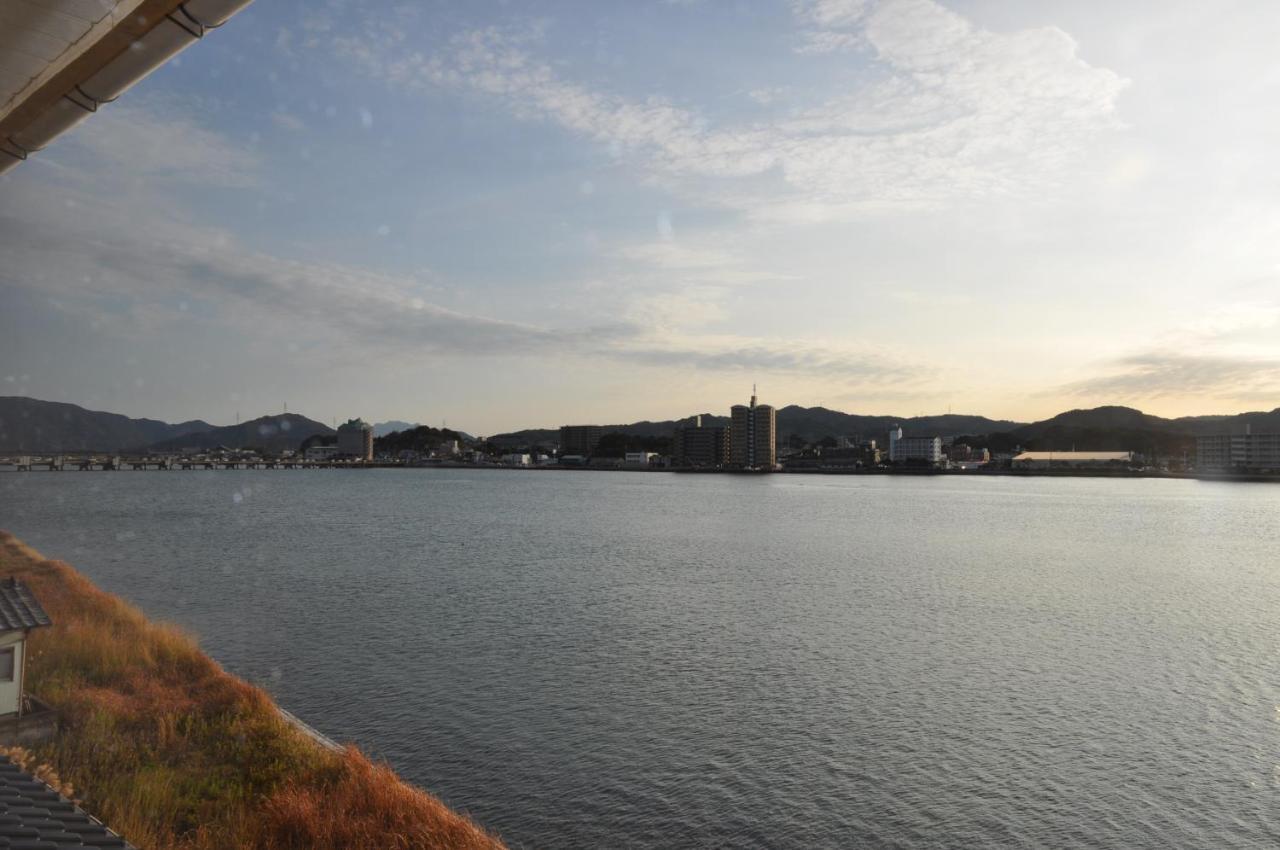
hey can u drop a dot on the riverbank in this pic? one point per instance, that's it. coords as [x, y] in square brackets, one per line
[175, 753]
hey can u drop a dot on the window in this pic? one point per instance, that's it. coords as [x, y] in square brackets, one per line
[6, 664]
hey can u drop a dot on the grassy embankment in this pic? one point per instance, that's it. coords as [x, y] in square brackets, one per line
[173, 752]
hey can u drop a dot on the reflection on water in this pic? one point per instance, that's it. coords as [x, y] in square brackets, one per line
[654, 660]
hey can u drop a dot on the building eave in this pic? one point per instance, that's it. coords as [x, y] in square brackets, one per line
[93, 66]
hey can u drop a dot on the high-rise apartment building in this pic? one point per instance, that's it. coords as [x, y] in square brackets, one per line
[753, 435]
[696, 446]
[355, 439]
[580, 439]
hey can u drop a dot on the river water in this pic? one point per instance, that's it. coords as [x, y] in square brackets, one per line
[654, 660]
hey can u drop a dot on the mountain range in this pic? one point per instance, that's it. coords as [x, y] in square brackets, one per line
[32, 425]
[391, 426]
[1108, 428]
[807, 423]
[273, 434]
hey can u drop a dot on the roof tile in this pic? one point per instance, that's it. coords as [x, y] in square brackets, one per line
[35, 816]
[19, 608]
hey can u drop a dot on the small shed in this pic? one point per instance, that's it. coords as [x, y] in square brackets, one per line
[20, 612]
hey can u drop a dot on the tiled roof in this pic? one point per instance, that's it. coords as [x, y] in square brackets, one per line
[34, 815]
[19, 608]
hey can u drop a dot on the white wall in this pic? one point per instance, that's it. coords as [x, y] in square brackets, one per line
[10, 692]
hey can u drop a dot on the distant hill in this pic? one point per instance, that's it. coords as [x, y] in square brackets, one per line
[814, 423]
[1113, 428]
[32, 425]
[548, 437]
[808, 423]
[1108, 428]
[1267, 422]
[270, 433]
[423, 439]
[1108, 418]
[528, 437]
[381, 429]
[1105, 429]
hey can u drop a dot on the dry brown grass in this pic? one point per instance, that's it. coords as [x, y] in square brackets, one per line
[174, 752]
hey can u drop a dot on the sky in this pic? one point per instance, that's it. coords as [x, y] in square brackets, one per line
[505, 215]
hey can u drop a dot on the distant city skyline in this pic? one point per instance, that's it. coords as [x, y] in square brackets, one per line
[533, 215]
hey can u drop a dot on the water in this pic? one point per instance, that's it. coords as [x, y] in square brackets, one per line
[650, 660]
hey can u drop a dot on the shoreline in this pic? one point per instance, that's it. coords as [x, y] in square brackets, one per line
[909, 472]
[173, 752]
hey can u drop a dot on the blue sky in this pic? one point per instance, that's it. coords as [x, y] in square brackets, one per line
[520, 214]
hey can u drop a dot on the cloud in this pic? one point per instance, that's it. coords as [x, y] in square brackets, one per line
[129, 277]
[705, 262]
[947, 111]
[106, 242]
[129, 137]
[288, 121]
[831, 14]
[116, 278]
[769, 95]
[363, 314]
[1160, 374]
[843, 363]
[1235, 319]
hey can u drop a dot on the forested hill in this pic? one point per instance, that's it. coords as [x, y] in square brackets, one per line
[806, 423]
[1107, 428]
[272, 434]
[1113, 428]
[422, 439]
[32, 425]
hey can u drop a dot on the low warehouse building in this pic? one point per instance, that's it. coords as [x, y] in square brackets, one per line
[1072, 460]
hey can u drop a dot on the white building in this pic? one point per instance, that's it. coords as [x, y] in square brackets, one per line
[1074, 460]
[923, 449]
[19, 614]
[516, 459]
[639, 458]
[320, 453]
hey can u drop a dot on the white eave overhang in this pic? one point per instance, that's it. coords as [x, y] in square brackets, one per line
[60, 60]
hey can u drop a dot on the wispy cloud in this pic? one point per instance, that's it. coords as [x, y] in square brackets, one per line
[840, 364]
[1164, 374]
[152, 271]
[130, 138]
[288, 121]
[949, 111]
[364, 314]
[133, 284]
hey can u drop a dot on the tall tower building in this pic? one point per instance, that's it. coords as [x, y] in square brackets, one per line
[753, 435]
